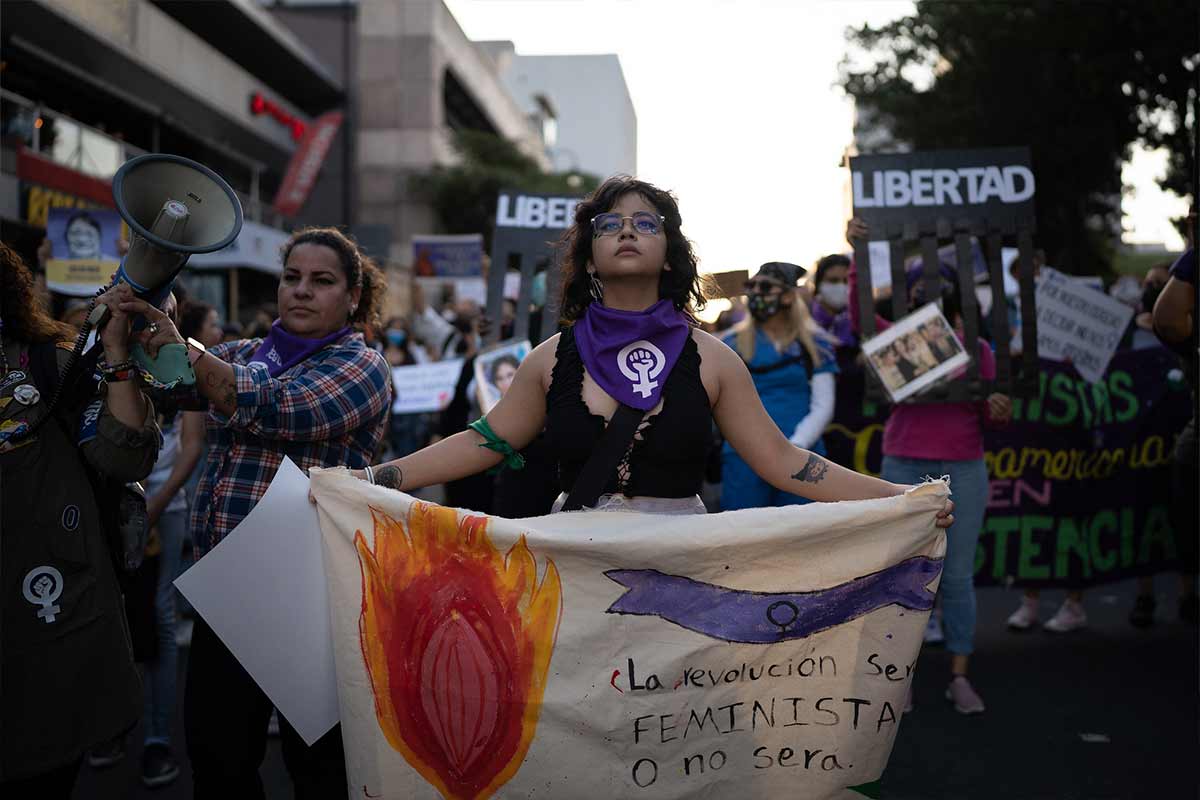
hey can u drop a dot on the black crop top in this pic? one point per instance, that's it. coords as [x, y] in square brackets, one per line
[668, 454]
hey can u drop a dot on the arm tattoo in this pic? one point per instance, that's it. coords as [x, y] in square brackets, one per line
[390, 477]
[813, 470]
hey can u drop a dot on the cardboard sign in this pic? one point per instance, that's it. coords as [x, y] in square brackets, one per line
[1078, 323]
[992, 184]
[756, 653]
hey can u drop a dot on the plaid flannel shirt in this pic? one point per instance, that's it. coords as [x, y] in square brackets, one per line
[329, 410]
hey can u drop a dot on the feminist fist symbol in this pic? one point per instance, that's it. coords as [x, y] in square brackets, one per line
[640, 362]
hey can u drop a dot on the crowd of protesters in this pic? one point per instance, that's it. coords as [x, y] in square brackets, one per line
[309, 377]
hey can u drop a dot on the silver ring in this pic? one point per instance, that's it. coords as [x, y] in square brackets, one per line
[153, 328]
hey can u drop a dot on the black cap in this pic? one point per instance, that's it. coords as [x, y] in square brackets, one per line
[785, 273]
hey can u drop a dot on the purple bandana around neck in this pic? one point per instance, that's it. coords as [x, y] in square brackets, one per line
[281, 350]
[631, 353]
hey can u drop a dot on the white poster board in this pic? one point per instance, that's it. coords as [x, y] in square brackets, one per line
[261, 591]
[425, 387]
[1079, 324]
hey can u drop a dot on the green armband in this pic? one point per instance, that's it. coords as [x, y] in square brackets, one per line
[512, 459]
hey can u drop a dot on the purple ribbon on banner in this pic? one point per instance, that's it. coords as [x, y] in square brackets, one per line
[733, 615]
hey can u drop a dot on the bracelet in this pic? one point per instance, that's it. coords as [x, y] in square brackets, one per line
[370, 474]
[122, 371]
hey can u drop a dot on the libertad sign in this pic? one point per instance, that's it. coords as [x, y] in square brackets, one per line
[950, 184]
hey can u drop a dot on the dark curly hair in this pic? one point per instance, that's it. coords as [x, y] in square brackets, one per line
[358, 268]
[23, 316]
[682, 283]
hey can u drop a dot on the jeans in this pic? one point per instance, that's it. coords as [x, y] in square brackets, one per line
[159, 686]
[225, 718]
[969, 484]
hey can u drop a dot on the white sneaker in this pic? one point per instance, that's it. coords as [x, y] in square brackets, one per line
[1069, 617]
[1025, 616]
[933, 628]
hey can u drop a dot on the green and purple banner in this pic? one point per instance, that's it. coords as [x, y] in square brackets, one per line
[1080, 480]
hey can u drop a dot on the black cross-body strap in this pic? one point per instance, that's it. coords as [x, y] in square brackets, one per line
[590, 482]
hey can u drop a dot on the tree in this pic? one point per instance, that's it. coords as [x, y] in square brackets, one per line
[1078, 82]
[464, 195]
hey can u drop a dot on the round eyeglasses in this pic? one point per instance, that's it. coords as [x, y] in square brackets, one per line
[610, 224]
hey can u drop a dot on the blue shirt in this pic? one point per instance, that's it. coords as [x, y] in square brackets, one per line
[786, 391]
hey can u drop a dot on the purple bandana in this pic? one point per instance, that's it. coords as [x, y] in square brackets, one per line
[281, 350]
[631, 353]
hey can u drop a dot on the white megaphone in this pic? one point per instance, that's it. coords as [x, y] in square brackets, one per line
[174, 207]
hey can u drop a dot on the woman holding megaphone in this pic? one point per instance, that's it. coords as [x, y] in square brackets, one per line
[311, 390]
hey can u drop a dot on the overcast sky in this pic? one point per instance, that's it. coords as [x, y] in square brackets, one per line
[737, 112]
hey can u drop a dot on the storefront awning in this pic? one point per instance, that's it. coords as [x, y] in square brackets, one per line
[257, 247]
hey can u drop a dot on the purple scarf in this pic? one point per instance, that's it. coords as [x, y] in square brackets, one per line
[631, 353]
[281, 350]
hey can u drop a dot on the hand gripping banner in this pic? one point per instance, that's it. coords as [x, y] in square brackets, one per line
[757, 653]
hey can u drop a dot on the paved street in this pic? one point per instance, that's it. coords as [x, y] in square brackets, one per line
[1104, 714]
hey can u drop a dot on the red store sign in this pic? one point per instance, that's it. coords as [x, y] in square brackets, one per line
[260, 105]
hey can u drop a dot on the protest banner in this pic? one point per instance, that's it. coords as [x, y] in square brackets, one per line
[1079, 479]
[83, 249]
[1078, 323]
[756, 653]
[424, 387]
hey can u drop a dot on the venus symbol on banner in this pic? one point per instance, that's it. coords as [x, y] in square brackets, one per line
[640, 362]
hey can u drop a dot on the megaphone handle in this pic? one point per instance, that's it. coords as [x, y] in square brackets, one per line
[97, 317]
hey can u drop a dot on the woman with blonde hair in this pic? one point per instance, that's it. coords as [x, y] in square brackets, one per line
[794, 377]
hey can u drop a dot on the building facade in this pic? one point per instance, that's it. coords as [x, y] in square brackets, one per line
[594, 123]
[88, 84]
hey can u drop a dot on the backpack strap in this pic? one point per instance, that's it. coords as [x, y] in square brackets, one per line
[590, 482]
[804, 358]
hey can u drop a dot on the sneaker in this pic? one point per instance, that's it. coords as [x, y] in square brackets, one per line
[159, 766]
[933, 628]
[963, 695]
[106, 754]
[1069, 617]
[1142, 615]
[1025, 616]
[1189, 608]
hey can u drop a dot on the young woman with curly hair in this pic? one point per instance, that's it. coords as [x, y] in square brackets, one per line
[310, 390]
[630, 283]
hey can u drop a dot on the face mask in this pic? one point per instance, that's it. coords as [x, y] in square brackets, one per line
[397, 338]
[835, 295]
[762, 306]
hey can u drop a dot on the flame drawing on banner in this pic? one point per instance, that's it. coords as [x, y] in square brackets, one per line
[457, 640]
